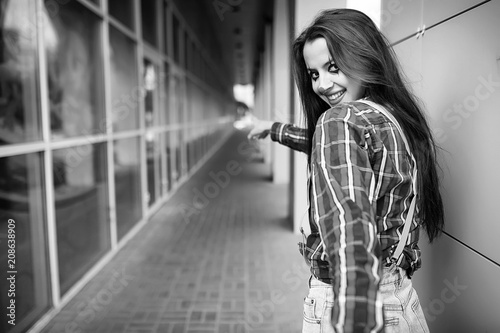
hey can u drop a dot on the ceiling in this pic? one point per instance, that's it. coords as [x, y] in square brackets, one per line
[238, 29]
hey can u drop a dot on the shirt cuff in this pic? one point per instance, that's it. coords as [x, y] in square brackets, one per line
[277, 131]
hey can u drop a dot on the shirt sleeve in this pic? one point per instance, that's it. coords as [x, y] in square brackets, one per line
[343, 185]
[290, 135]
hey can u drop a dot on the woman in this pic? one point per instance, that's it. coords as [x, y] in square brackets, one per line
[372, 161]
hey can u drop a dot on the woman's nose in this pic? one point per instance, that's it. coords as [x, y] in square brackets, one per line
[324, 84]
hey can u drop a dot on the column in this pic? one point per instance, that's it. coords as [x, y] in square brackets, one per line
[305, 11]
[281, 87]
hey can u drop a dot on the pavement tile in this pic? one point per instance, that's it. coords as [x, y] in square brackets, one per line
[196, 316]
[163, 328]
[178, 328]
[202, 326]
[204, 273]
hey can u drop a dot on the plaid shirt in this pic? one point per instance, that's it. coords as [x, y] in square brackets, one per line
[360, 189]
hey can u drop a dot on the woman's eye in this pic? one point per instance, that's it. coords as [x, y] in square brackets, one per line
[333, 68]
[314, 76]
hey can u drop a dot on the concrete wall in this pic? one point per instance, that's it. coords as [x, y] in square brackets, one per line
[454, 68]
[305, 11]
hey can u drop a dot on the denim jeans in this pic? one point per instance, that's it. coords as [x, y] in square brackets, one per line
[402, 310]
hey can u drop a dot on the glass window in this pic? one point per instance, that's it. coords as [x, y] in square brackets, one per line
[167, 169]
[150, 79]
[81, 201]
[125, 90]
[192, 58]
[190, 148]
[153, 164]
[19, 112]
[22, 210]
[165, 105]
[175, 147]
[187, 54]
[178, 112]
[176, 38]
[123, 11]
[166, 29]
[182, 161]
[74, 71]
[149, 21]
[127, 184]
[199, 60]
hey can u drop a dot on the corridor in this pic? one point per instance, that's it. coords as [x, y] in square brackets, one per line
[219, 256]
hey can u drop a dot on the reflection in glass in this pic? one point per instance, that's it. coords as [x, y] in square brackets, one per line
[153, 164]
[165, 105]
[189, 148]
[176, 39]
[184, 156]
[178, 111]
[81, 202]
[127, 184]
[19, 111]
[176, 151]
[150, 79]
[187, 53]
[123, 11]
[166, 28]
[180, 116]
[181, 154]
[125, 90]
[22, 201]
[149, 21]
[74, 71]
[167, 169]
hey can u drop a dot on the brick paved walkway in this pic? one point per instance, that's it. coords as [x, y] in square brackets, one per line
[218, 257]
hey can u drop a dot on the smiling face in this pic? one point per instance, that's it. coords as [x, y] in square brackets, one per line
[328, 82]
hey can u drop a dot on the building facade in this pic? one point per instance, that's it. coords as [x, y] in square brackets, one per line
[106, 107]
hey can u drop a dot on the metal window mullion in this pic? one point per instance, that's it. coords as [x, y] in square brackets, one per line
[21, 149]
[49, 183]
[78, 141]
[108, 113]
[126, 134]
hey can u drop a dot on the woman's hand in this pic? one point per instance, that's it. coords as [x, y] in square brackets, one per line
[260, 128]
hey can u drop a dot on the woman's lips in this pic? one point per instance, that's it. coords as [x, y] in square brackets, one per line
[335, 97]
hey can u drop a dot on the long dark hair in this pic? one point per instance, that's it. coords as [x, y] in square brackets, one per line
[360, 51]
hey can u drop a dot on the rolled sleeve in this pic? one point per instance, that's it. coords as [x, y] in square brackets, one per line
[290, 135]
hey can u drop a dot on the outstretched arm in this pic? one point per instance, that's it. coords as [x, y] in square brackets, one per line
[287, 134]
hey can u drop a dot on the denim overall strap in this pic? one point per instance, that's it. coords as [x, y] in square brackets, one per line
[396, 255]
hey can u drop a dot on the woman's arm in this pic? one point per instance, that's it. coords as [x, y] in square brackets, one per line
[287, 134]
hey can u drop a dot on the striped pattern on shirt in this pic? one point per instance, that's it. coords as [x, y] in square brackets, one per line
[360, 193]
